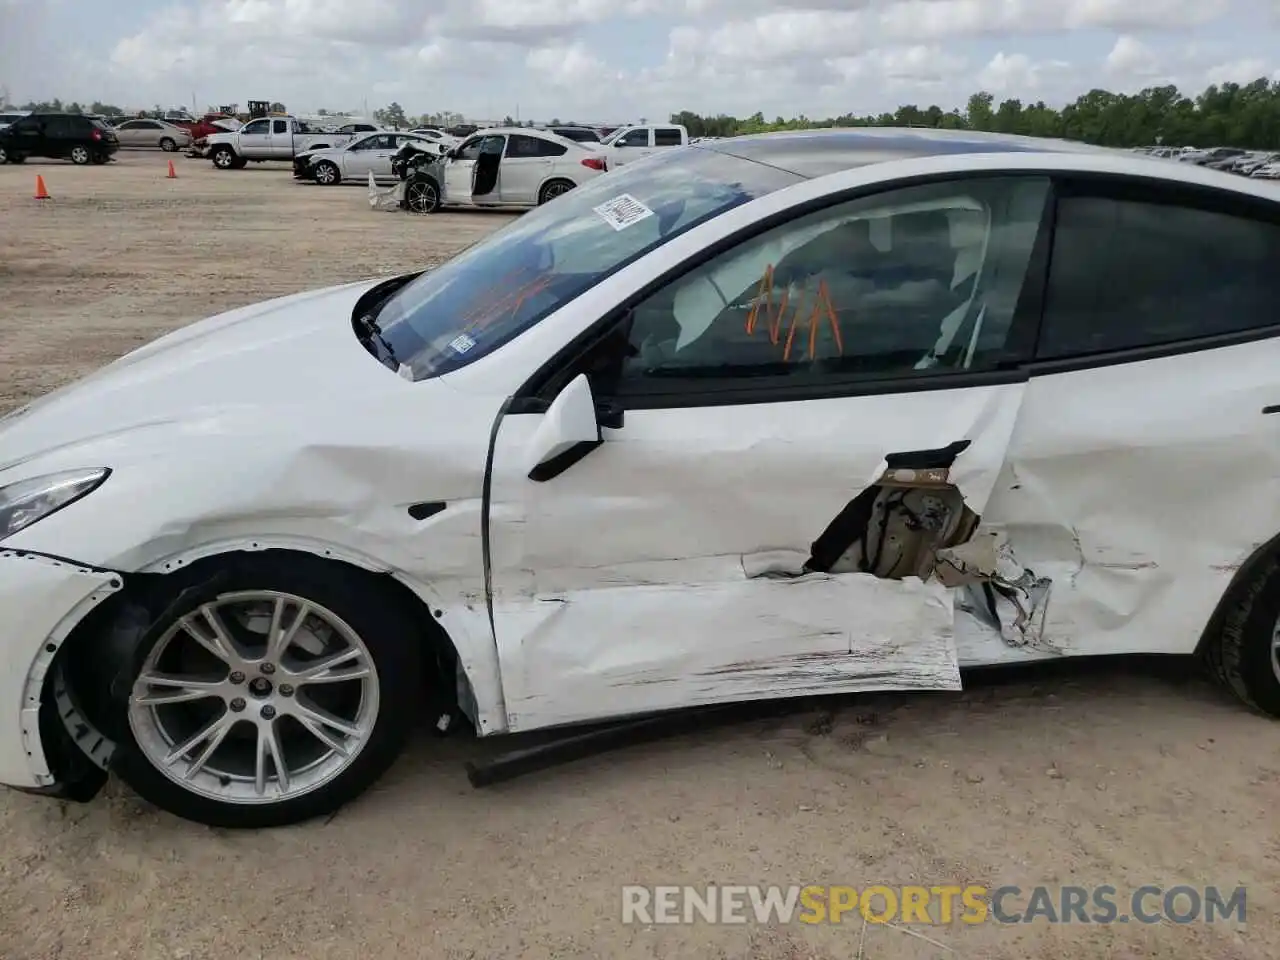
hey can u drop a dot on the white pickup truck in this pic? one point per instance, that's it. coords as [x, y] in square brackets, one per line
[630, 143]
[275, 138]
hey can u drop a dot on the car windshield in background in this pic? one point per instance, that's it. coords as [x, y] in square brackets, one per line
[495, 290]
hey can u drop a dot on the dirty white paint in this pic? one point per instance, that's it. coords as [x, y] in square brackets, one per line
[601, 652]
[635, 560]
[42, 599]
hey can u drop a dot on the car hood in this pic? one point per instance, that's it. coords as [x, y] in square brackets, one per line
[213, 375]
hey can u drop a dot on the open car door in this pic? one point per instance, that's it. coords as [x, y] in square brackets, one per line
[484, 176]
[697, 515]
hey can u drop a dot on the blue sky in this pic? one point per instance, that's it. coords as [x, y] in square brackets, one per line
[623, 59]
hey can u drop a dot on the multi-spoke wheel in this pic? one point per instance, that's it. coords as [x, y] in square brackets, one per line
[277, 699]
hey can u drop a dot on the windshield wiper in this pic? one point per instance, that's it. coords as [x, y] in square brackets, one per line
[373, 332]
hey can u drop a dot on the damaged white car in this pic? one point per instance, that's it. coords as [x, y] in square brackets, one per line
[737, 422]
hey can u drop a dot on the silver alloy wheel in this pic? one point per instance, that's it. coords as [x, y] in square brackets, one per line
[422, 196]
[255, 697]
[79, 154]
[326, 174]
[168, 145]
[224, 159]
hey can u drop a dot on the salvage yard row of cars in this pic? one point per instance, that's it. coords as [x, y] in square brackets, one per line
[1259, 164]
[785, 415]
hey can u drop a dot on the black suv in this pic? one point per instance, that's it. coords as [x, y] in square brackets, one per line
[60, 136]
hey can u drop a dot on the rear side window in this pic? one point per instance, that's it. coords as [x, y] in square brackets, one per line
[59, 127]
[279, 126]
[519, 145]
[1127, 274]
[666, 137]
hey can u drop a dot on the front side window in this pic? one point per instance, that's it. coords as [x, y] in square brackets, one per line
[912, 282]
[471, 149]
[1128, 274]
[256, 127]
[502, 286]
[634, 138]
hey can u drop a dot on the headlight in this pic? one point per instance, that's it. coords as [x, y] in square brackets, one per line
[25, 502]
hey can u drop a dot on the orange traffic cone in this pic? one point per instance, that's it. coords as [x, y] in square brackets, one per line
[173, 174]
[41, 192]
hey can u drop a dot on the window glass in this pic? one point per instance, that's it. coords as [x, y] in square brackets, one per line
[520, 145]
[279, 126]
[471, 149]
[905, 283]
[1131, 274]
[58, 126]
[634, 138]
[666, 137]
[256, 127]
[503, 285]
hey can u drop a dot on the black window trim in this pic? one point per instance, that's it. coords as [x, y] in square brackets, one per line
[1221, 200]
[538, 390]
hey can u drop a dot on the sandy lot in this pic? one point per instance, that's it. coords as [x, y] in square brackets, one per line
[1121, 774]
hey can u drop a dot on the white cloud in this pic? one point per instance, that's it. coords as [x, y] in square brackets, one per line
[1245, 70]
[614, 59]
[1132, 58]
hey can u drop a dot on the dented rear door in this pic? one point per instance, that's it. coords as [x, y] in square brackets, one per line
[753, 542]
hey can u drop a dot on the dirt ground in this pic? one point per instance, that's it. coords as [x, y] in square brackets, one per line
[1122, 774]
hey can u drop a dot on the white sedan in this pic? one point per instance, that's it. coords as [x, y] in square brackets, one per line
[788, 415]
[371, 154]
[502, 167]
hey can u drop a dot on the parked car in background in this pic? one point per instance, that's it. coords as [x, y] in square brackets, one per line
[576, 134]
[59, 136]
[9, 116]
[153, 133]
[369, 154]
[437, 136]
[501, 167]
[275, 138]
[200, 146]
[1267, 171]
[631, 143]
[212, 123]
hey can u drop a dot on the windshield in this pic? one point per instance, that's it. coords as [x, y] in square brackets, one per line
[502, 286]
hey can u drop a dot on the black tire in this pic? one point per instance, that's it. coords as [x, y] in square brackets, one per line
[239, 163]
[553, 189]
[80, 155]
[168, 145]
[1240, 657]
[388, 633]
[6, 157]
[326, 174]
[422, 195]
[223, 157]
[100, 158]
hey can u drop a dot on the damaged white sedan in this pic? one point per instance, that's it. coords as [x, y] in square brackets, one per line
[772, 416]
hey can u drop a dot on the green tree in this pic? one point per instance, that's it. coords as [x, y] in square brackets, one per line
[391, 115]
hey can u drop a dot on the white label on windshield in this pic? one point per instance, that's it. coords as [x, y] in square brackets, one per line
[622, 211]
[462, 343]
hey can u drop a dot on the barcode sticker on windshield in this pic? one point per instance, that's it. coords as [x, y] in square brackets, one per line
[462, 343]
[622, 211]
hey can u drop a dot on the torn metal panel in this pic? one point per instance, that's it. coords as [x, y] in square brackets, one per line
[595, 652]
[690, 524]
[44, 598]
[385, 198]
[997, 589]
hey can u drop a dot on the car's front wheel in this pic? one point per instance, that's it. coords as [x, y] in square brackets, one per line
[422, 195]
[168, 145]
[277, 696]
[224, 158]
[326, 173]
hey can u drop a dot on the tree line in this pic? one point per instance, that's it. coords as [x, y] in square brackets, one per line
[1228, 114]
